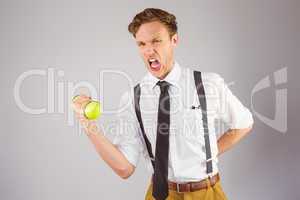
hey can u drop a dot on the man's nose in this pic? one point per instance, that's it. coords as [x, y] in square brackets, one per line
[149, 50]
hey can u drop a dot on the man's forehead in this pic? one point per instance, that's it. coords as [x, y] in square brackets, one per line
[150, 31]
[148, 37]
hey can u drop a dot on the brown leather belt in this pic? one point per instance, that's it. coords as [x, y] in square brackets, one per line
[194, 186]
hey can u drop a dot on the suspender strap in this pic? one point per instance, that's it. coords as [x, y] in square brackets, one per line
[202, 100]
[137, 94]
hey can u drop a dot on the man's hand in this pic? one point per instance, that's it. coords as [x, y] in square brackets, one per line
[78, 105]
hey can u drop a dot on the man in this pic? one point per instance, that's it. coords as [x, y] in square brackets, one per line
[170, 119]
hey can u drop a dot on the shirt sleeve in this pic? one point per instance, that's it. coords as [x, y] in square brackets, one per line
[128, 139]
[230, 110]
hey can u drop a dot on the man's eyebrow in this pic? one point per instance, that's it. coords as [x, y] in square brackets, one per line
[155, 37]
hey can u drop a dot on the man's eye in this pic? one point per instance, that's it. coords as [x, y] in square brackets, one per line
[157, 41]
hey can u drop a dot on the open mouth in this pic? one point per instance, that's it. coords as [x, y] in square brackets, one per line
[154, 64]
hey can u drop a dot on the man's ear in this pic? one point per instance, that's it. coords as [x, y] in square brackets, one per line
[174, 40]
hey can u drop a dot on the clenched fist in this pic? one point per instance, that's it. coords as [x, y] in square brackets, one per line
[78, 105]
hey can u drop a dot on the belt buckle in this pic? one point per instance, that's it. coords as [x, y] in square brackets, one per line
[178, 188]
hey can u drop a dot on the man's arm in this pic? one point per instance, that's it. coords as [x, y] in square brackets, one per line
[111, 154]
[231, 138]
[231, 111]
[107, 151]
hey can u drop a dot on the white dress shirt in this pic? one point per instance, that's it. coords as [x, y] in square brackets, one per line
[187, 158]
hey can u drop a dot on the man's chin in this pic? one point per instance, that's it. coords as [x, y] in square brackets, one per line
[157, 74]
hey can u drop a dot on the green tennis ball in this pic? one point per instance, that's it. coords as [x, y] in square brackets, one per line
[92, 110]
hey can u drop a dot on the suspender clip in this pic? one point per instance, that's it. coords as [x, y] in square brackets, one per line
[210, 175]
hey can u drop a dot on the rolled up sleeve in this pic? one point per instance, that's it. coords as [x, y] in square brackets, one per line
[231, 111]
[128, 139]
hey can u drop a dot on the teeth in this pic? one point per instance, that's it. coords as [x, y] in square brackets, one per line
[152, 60]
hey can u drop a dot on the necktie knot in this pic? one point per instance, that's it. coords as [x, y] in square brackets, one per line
[164, 85]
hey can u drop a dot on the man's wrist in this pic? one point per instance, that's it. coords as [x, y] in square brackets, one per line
[91, 128]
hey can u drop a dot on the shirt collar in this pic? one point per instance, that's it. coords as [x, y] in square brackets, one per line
[172, 77]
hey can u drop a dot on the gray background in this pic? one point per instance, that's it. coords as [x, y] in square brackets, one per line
[42, 157]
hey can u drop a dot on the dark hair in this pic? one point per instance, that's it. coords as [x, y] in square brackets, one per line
[151, 15]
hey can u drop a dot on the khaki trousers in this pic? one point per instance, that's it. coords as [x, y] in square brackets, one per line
[211, 193]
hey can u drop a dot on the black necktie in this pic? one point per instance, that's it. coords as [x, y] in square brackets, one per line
[160, 177]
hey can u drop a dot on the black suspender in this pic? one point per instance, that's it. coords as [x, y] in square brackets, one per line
[202, 101]
[137, 94]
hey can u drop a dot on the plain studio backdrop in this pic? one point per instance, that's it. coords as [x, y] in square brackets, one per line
[47, 47]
